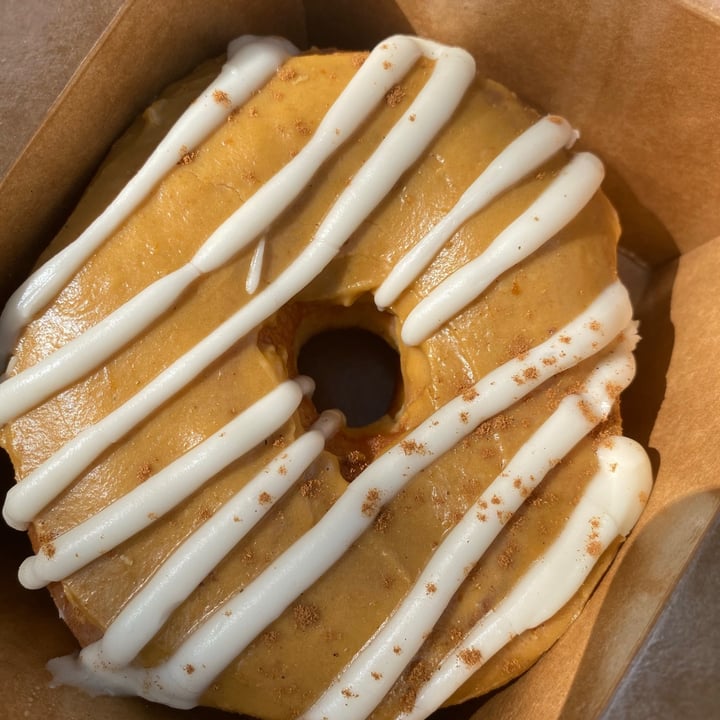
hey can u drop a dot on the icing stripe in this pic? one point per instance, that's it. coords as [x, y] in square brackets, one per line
[27, 498]
[401, 147]
[609, 508]
[21, 392]
[386, 65]
[251, 61]
[363, 683]
[524, 154]
[567, 195]
[228, 631]
[431, 109]
[185, 569]
[165, 490]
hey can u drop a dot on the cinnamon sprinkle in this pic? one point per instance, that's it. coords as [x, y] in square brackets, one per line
[410, 447]
[371, 502]
[306, 616]
[221, 97]
[587, 411]
[383, 520]
[186, 155]
[496, 424]
[286, 73]
[395, 95]
[310, 487]
[470, 656]
[505, 558]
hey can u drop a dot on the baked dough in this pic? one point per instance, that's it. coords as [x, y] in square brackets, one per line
[207, 533]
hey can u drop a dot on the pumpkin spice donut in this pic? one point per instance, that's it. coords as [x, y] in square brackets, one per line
[214, 536]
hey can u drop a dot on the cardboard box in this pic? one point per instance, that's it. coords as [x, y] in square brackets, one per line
[640, 80]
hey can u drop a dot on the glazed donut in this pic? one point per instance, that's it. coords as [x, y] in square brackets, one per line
[213, 536]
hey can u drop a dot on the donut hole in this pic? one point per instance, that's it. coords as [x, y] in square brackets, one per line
[356, 371]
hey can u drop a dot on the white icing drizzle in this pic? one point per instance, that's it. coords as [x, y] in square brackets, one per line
[255, 271]
[608, 509]
[150, 500]
[228, 631]
[19, 393]
[223, 635]
[433, 106]
[386, 65]
[251, 61]
[573, 188]
[363, 683]
[526, 153]
[185, 569]
[430, 110]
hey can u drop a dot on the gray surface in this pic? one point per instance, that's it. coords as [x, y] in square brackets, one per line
[676, 671]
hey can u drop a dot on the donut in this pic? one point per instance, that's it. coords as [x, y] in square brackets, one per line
[215, 534]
